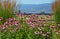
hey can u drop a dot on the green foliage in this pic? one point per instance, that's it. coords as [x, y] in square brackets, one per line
[57, 20]
[57, 15]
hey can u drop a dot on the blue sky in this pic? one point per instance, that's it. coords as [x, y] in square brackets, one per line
[33, 1]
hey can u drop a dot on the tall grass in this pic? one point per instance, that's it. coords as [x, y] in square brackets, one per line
[5, 13]
[57, 15]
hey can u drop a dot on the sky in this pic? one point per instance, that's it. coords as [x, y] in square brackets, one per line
[33, 1]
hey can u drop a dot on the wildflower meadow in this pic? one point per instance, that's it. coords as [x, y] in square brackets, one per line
[29, 27]
[34, 26]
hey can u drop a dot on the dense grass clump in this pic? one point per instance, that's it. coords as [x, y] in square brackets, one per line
[5, 13]
[57, 15]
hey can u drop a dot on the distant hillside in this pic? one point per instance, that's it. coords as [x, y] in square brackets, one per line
[30, 8]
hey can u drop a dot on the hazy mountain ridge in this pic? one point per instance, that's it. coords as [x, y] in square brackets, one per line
[32, 8]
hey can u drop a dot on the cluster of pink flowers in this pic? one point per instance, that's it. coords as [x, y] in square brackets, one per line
[34, 21]
[10, 22]
[20, 15]
[37, 22]
[42, 33]
[1, 18]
